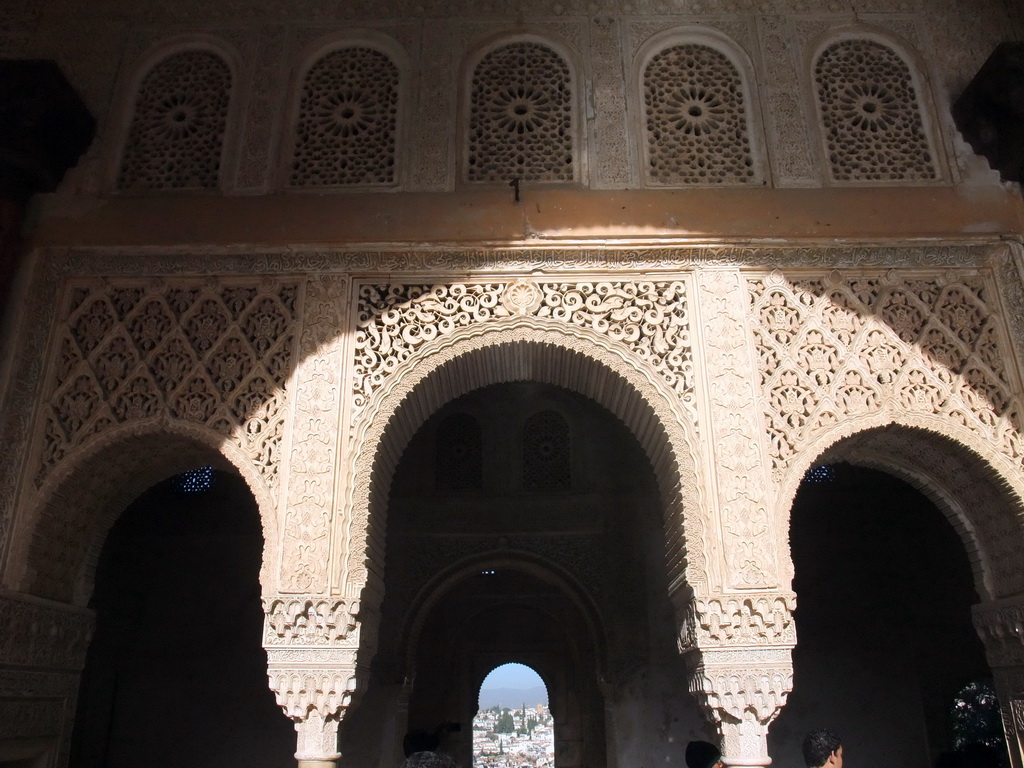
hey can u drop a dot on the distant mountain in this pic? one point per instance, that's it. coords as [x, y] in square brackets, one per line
[513, 698]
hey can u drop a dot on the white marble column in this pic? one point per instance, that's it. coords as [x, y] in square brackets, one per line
[738, 649]
[312, 644]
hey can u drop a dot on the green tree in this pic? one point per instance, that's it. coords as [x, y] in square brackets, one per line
[506, 723]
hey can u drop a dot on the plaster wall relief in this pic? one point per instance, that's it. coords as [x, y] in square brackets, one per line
[42, 652]
[209, 352]
[498, 327]
[175, 140]
[198, 361]
[315, 439]
[844, 346]
[737, 638]
[431, 165]
[610, 156]
[739, 472]
[257, 137]
[785, 119]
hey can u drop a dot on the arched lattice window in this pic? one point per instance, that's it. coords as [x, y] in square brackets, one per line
[347, 122]
[177, 130]
[459, 454]
[695, 119]
[521, 116]
[871, 118]
[546, 453]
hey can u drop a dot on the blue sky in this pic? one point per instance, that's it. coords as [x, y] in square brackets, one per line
[511, 676]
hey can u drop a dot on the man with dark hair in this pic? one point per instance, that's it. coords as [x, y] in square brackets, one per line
[823, 749]
[703, 754]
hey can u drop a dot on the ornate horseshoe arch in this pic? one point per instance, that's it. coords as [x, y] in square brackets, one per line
[82, 498]
[523, 348]
[965, 478]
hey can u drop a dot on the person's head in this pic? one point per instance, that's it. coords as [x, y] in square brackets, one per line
[823, 748]
[419, 741]
[428, 759]
[703, 754]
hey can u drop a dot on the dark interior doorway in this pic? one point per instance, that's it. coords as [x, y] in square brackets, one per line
[884, 635]
[176, 674]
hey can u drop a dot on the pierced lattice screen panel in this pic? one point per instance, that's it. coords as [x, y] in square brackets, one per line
[871, 118]
[459, 454]
[546, 453]
[348, 115]
[521, 117]
[695, 119]
[177, 130]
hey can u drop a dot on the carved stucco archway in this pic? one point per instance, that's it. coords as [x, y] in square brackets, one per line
[80, 501]
[523, 349]
[435, 589]
[965, 478]
[970, 483]
[583, 660]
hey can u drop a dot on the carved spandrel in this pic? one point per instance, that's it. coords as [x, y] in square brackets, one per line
[839, 346]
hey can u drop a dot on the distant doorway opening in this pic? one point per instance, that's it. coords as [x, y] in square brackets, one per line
[513, 726]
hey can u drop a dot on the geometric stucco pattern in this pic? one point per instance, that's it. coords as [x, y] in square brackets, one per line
[207, 352]
[649, 318]
[869, 110]
[177, 131]
[846, 345]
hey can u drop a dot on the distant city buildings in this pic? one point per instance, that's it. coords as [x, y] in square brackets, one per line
[514, 738]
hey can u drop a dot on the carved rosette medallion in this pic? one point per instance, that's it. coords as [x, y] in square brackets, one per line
[748, 537]
[521, 298]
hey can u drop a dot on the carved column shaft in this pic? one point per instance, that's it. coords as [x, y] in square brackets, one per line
[739, 467]
[1000, 624]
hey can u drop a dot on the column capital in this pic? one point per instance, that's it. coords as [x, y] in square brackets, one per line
[739, 619]
[305, 621]
[1000, 625]
[741, 684]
